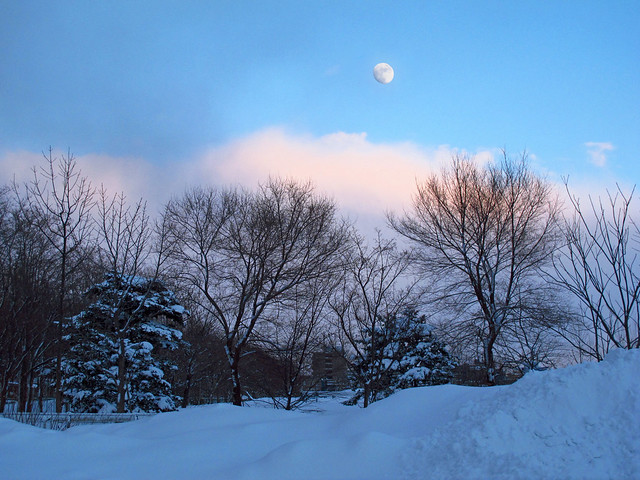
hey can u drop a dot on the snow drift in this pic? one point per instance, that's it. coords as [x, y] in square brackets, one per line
[578, 422]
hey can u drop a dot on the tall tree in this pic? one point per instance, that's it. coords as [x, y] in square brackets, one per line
[599, 266]
[26, 299]
[202, 373]
[245, 250]
[377, 284]
[292, 333]
[483, 235]
[64, 199]
[131, 248]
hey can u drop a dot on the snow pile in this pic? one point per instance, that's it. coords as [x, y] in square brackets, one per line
[579, 422]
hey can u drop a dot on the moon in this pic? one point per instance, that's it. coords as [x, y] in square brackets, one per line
[383, 73]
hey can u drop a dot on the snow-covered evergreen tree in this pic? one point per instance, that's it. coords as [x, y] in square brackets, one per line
[370, 374]
[114, 362]
[87, 382]
[401, 352]
[420, 359]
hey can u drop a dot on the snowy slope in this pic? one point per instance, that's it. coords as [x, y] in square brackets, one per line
[579, 422]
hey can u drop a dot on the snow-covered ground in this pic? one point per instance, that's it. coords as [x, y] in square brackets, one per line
[579, 422]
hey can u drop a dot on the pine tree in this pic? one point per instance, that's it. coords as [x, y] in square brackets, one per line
[87, 382]
[370, 374]
[400, 352]
[115, 362]
[419, 358]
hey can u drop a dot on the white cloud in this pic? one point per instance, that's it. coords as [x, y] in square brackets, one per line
[365, 178]
[597, 151]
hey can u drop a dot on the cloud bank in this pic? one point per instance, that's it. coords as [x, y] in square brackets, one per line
[365, 178]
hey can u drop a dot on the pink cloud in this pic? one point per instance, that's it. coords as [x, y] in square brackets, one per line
[365, 178]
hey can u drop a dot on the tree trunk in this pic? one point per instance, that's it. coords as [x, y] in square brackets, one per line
[489, 360]
[22, 394]
[289, 390]
[30, 393]
[58, 387]
[3, 394]
[367, 392]
[122, 377]
[58, 367]
[237, 389]
[235, 378]
[63, 279]
[40, 395]
[187, 391]
[596, 337]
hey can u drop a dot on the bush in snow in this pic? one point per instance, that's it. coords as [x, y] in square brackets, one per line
[114, 363]
[400, 352]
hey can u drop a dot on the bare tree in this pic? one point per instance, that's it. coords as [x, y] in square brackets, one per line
[293, 332]
[202, 374]
[529, 341]
[125, 235]
[132, 255]
[64, 199]
[245, 250]
[377, 285]
[483, 235]
[599, 266]
[26, 298]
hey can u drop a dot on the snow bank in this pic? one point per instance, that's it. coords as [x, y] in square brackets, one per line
[579, 422]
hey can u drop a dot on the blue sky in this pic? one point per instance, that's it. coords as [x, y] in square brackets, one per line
[169, 83]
